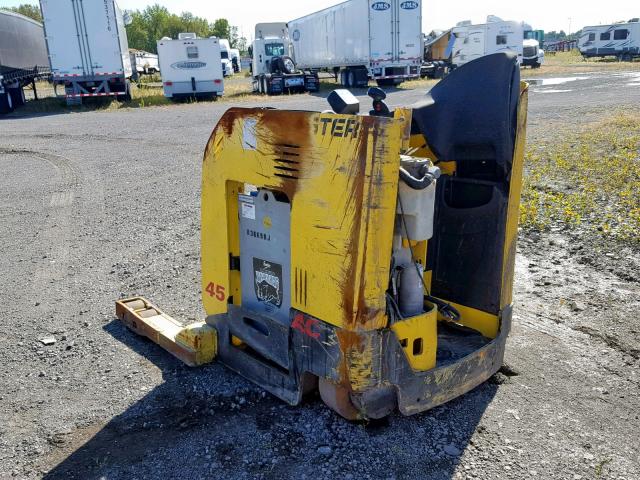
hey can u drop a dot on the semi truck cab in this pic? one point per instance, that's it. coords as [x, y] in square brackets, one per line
[273, 68]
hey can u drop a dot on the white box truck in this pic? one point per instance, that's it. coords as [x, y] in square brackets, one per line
[190, 67]
[362, 40]
[475, 41]
[88, 49]
[620, 40]
[225, 54]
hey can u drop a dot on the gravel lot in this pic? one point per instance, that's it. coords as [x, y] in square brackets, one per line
[101, 205]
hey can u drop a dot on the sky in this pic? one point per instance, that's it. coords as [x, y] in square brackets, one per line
[540, 14]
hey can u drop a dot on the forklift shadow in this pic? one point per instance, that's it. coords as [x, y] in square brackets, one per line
[208, 422]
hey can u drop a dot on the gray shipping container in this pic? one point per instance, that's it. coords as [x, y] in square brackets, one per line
[22, 44]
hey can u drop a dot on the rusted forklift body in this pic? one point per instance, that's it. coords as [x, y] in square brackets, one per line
[368, 256]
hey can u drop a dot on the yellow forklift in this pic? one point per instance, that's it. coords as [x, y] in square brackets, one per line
[368, 256]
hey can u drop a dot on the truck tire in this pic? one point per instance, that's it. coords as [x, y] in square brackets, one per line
[351, 78]
[17, 96]
[288, 65]
[6, 103]
[127, 91]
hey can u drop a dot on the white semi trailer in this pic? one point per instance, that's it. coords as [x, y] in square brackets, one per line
[361, 40]
[621, 40]
[475, 41]
[88, 48]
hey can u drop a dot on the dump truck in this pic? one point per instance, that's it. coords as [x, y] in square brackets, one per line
[23, 58]
[369, 257]
[359, 40]
[88, 48]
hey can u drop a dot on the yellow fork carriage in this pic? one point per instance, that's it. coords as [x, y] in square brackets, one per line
[370, 257]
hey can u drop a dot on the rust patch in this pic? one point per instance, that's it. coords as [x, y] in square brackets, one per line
[348, 340]
[358, 173]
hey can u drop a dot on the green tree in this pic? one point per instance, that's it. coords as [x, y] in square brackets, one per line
[154, 22]
[137, 32]
[221, 28]
[31, 11]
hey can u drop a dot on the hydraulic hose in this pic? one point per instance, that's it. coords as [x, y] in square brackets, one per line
[427, 179]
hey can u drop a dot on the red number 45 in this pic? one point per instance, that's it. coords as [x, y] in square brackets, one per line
[214, 290]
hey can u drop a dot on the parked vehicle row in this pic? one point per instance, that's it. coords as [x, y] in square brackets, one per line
[84, 46]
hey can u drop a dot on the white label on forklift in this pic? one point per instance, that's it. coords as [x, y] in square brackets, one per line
[248, 211]
[249, 141]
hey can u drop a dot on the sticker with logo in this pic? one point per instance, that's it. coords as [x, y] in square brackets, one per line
[188, 65]
[410, 5]
[380, 6]
[296, 35]
[268, 281]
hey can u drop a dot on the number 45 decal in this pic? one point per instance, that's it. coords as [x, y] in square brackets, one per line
[217, 291]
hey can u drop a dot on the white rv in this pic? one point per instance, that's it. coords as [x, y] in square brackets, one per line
[475, 41]
[190, 66]
[144, 63]
[621, 40]
[225, 53]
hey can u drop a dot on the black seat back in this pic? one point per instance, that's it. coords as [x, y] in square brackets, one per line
[470, 118]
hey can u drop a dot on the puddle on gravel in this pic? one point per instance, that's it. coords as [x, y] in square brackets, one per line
[552, 90]
[543, 82]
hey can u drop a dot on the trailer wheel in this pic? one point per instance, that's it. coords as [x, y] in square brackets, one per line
[127, 91]
[17, 96]
[351, 78]
[6, 103]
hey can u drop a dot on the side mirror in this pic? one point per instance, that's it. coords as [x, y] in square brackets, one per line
[127, 18]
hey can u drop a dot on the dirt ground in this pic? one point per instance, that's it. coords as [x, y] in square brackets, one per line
[101, 205]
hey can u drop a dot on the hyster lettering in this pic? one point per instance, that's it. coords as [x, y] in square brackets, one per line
[337, 127]
[409, 5]
[380, 6]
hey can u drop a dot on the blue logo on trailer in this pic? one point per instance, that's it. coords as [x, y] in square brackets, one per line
[296, 35]
[409, 5]
[379, 6]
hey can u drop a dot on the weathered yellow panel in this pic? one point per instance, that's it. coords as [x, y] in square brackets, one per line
[419, 339]
[513, 210]
[483, 322]
[340, 173]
